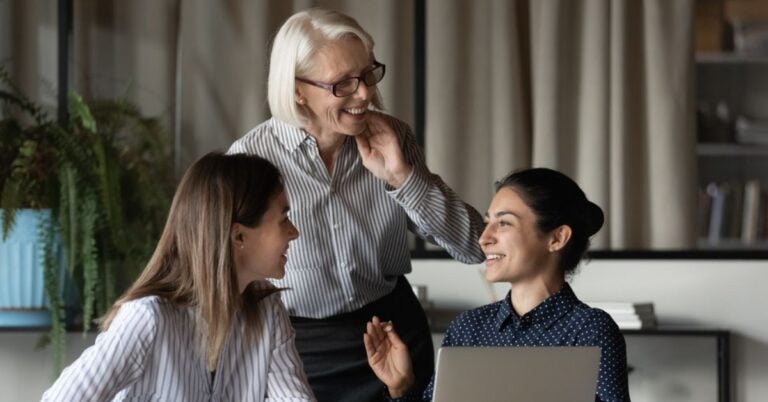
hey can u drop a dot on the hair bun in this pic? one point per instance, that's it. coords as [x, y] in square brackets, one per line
[593, 218]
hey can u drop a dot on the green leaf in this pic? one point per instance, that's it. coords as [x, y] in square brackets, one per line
[80, 112]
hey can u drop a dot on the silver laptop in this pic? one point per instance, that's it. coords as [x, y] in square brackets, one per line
[511, 374]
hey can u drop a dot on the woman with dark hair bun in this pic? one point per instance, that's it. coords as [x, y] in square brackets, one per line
[539, 226]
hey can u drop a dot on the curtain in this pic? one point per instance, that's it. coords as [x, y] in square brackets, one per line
[202, 65]
[601, 90]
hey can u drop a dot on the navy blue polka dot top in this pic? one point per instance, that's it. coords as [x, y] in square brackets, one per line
[561, 320]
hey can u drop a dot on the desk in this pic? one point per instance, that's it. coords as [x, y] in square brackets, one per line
[723, 353]
[718, 369]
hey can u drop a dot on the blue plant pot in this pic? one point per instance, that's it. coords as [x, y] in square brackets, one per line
[23, 302]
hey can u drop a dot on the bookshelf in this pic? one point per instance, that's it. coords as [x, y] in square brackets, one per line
[732, 151]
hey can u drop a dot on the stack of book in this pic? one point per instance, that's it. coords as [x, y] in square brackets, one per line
[628, 315]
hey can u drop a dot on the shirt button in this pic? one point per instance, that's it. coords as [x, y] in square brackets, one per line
[350, 299]
[335, 226]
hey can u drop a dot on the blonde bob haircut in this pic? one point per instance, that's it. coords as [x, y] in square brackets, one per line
[293, 51]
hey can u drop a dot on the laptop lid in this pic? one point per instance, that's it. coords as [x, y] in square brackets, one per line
[504, 374]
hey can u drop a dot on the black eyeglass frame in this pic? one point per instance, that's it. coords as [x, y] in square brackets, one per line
[361, 78]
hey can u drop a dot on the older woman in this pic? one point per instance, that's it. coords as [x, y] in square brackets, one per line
[539, 226]
[358, 182]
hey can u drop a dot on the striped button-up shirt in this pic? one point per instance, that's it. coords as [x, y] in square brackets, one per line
[149, 354]
[353, 226]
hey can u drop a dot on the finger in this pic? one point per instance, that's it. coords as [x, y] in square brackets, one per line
[394, 338]
[370, 348]
[363, 145]
[374, 329]
[377, 125]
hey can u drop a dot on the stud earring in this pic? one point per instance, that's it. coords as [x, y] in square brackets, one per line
[300, 101]
[242, 246]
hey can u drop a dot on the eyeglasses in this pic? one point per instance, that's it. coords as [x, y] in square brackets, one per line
[348, 86]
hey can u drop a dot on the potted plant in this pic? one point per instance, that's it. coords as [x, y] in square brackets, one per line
[107, 179]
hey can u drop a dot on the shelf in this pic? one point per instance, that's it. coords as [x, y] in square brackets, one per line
[731, 58]
[734, 244]
[731, 149]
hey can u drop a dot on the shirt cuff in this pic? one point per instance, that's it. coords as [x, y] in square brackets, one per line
[413, 190]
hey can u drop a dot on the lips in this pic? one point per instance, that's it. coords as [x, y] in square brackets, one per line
[490, 258]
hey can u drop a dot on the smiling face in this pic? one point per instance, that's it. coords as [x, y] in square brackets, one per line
[260, 252]
[515, 250]
[330, 115]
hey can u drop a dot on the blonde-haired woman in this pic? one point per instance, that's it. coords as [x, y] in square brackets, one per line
[201, 323]
[359, 183]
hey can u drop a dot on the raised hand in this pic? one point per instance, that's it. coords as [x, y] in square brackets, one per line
[380, 151]
[388, 357]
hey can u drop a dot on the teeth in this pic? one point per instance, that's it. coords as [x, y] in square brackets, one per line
[356, 110]
[493, 256]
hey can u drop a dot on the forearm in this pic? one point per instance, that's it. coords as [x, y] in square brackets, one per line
[440, 215]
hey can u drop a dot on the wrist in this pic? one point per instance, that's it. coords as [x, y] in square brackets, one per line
[397, 179]
[399, 390]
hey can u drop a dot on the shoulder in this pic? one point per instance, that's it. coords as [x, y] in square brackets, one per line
[596, 324]
[475, 318]
[259, 134]
[152, 310]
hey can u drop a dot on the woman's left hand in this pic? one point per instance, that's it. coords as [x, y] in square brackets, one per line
[379, 148]
[388, 357]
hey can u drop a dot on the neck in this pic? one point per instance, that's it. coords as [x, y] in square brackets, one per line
[328, 145]
[527, 295]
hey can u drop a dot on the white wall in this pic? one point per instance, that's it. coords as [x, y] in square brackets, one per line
[710, 294]
[713, 294]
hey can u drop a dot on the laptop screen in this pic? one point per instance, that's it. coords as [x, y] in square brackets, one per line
[509, 374]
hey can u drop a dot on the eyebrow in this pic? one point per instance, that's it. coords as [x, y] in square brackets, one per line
[502, 213]
[369, 67]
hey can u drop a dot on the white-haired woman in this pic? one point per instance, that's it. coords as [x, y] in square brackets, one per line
[358, 183]
[201, 323]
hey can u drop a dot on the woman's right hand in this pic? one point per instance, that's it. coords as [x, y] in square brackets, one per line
[388, 357]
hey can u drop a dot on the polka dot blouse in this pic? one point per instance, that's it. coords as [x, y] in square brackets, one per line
[561, 320]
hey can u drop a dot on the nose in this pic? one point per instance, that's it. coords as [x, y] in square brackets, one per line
[486, 238]
[364, 91]
[294, 232]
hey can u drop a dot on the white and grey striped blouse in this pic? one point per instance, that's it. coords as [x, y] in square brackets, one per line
[149, 354]
[353, 240]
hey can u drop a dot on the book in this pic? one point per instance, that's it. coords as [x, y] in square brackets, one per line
[634, 321]
[641, 308]
[750, 212]
[717, 194]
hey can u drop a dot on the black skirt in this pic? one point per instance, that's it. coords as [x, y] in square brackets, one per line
[334, 355]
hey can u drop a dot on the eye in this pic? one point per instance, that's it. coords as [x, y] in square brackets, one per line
[503, 223]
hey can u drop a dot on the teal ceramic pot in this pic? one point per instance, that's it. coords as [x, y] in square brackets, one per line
[22, 288]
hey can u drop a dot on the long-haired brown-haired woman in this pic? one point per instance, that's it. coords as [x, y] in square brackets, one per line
[202, 322]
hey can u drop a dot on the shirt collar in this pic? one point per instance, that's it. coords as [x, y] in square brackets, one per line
[288, 135]
[545, 314]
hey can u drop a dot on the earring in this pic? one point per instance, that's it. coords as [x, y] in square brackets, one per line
[242, 246]
[300, 101]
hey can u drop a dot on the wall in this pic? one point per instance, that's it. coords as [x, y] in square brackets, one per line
[714, 294]
[711, 294]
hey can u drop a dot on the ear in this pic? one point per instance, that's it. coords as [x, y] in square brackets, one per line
[559, 238]
[298, 97]
[236, 236]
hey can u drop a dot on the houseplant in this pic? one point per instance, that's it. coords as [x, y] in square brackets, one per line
[106, 176]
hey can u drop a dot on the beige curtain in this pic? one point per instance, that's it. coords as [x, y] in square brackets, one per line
[599, 89]
[213, 57]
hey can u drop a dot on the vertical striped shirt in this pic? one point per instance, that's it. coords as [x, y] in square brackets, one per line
[353, 226]
[149, 354]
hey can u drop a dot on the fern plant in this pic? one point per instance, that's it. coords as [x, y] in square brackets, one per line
[106, 176]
